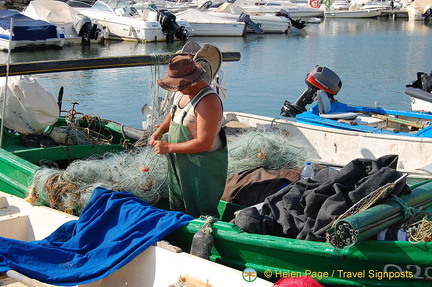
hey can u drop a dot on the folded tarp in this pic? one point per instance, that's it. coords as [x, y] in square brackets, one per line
[113, 229]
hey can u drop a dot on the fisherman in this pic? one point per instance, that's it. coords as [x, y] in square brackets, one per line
[196, 146]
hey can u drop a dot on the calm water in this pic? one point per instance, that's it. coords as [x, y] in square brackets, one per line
[375, 59]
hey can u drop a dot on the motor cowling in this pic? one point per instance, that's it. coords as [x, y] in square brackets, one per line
[83, 25]
[320, 78]
[170, 26]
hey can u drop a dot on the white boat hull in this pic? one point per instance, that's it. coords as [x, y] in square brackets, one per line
[4, 42]
[217, 29]
[268, 23]
[159, 265]
[338, 147]
[420, 105]
[125, 28]
[129, 30]
[353, 14]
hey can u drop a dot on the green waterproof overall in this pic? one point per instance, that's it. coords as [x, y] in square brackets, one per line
[196, 181]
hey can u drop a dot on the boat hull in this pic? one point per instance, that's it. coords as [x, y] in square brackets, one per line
[268, 23]
[353, 14]
[338, 147]
[218, 29]
[159, 265]
[368, 263]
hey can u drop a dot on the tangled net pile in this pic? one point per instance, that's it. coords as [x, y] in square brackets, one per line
[269, 149]
[144, 173]
[141, 172]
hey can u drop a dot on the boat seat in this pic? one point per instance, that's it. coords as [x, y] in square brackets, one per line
[324, 107]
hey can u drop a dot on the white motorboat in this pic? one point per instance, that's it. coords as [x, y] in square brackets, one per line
[297, 11]
[269, 23]
[122, 21]
[27, 32]
[349, 10]
[77, 28]
[159, 265]
[204, 24]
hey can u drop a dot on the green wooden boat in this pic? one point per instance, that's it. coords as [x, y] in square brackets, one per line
[19, 162]
[367, 263]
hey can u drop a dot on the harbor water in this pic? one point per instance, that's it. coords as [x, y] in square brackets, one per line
[375, 59]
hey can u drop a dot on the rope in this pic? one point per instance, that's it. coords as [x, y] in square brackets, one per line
[419, 230]
[408, 211]
[209, 220]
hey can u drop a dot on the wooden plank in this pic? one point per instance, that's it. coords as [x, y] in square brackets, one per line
[54, 66]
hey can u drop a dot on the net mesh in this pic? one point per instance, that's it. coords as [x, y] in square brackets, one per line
[144, 173]
[141, 172]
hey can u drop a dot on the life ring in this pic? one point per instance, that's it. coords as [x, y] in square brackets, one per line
[314, 3]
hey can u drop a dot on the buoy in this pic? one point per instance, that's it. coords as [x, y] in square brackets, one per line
[314, 3]
[202, 242]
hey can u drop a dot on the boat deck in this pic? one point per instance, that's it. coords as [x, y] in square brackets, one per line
[9, 282]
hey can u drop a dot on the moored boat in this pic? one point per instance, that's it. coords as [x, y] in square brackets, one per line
[204, 24]
[267, 22]
[78, 29]
[337, 132]
[22, 221]
[368, 263]
[27, 32]
[122, 21]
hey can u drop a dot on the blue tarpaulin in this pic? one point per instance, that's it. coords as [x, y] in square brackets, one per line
[26, 28]
[113, 229]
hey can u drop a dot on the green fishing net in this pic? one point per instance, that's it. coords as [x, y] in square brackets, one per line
[144, 173]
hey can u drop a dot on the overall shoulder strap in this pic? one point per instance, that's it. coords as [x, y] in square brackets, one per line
[174, 105]
[195, 100]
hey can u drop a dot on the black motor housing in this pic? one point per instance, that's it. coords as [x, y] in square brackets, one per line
[170, 26]
[82, 24]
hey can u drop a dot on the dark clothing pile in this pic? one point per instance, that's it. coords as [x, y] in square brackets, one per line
[306, 209]
[252, 186]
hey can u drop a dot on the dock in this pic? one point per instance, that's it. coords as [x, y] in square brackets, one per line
[394, 14]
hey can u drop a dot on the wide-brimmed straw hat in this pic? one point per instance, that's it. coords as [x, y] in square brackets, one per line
[183, 72]
[208, 56]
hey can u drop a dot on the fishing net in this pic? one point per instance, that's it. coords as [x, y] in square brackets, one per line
[259, 148]
[141, 172]
[144, 173]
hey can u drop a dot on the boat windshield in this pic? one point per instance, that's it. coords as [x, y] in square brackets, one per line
[110, 5]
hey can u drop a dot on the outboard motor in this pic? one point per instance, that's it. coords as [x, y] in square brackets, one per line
[321, 78]
[427, 15]
[83, 25]
[295, 23]
[170, 26]
[421, 88]
[205, 6]
[247, 20]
